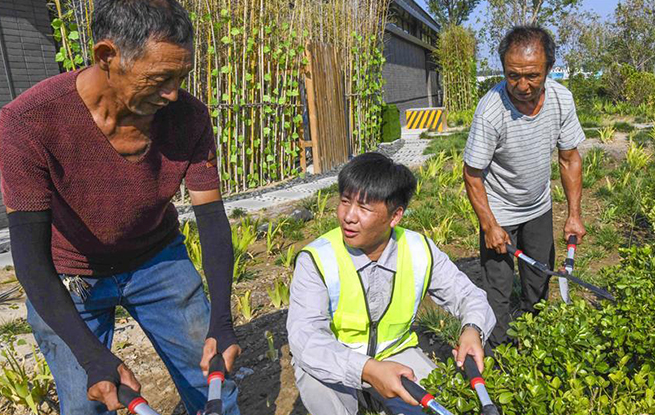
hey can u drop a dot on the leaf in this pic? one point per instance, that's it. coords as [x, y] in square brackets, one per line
[74, 35]
[505, 397]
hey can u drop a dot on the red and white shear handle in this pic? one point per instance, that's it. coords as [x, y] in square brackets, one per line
[134, 402]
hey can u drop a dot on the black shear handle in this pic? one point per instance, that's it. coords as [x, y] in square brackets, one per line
[217, 364]
[414, 389]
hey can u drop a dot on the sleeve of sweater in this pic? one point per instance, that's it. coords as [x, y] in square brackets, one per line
[218, 263]
[30, 234]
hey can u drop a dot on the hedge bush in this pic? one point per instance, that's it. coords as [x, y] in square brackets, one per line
[390, 123]
[487, 84]
[640, 88]
[579, 359]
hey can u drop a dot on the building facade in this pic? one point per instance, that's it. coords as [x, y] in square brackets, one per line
[411, 76]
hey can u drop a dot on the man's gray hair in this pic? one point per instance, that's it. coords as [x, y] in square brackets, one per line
[130, 24]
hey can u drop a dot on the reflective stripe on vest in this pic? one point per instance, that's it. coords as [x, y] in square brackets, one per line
[347, 302]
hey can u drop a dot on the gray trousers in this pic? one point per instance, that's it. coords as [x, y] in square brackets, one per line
[330, 399]
[535, 238]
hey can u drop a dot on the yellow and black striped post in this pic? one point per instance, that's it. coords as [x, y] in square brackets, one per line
[422, 118]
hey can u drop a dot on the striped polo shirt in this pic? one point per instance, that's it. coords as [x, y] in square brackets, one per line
[514, 150]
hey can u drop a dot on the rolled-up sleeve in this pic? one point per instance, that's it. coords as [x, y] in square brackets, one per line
[314, 347]
[451, 289]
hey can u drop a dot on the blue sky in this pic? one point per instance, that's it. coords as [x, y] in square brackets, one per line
[604, 8]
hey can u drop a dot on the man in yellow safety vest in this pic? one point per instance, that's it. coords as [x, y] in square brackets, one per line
[356, 291]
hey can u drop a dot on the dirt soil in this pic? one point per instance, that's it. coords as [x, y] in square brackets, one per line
[270, 389]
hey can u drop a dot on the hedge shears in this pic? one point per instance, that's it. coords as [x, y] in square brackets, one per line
[215, 378]
[422, 396]
[568, 266]
[544, 268]
[136, 404]
[133, 401]
[477, 383]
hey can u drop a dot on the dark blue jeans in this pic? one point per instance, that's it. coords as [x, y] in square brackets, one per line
[165, 296]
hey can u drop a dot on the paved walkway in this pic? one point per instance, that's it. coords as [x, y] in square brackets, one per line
[408, 150]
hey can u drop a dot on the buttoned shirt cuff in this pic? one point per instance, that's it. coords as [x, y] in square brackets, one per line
[354, 369]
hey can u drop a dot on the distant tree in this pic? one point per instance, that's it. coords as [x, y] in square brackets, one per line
[634, 34]
[456, 12]
[502, 15]
[582, 41]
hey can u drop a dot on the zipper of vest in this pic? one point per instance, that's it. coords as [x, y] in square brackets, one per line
[373, 331]
[373, 338]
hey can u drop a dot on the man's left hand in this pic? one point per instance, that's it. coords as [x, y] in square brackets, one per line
[470, 344]
[211, 349]
[574, 226]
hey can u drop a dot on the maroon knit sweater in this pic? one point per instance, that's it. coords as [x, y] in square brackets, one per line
[109, 215]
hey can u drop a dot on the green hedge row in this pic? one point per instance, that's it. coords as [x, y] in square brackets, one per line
[585, 358]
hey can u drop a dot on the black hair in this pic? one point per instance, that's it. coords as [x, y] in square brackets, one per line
[374, 177]
[526, 35]
[131, 23]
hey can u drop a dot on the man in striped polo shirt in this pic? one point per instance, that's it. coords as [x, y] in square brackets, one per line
[516, 127]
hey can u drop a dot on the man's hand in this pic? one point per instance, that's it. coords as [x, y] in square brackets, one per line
[496, 238]
[470, 344]
[107, 393]
[574, 226]
[385, 378]
[211, 349]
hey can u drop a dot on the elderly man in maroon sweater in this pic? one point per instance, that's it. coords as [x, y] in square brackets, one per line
[89, 162]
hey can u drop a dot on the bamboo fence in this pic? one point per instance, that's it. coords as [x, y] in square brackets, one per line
[249, 70]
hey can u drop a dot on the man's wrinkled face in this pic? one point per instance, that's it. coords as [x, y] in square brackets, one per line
[365, 224]
[152, 80]
[526, 70]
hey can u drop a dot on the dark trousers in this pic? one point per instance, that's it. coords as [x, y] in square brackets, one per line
[535, 238]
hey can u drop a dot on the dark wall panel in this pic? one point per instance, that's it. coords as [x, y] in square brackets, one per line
[28, 45]
[411, 77]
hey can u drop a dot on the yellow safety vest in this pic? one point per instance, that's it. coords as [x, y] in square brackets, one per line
[351, 320]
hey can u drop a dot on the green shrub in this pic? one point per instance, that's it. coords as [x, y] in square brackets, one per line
[624, 127]
[589, 119]
[574, 359]
[460, 118]
[592, 132]
[593, 167]
[555, 174]
[614, 80]
[644, 137]
[640, 88]
[15, 327]
[448, 143]
[487, 84]
[390, 123]
[22, 387]
[585, 90]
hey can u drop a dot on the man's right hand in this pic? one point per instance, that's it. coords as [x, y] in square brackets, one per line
[496, 238]
[106, 392]
[385, 378]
